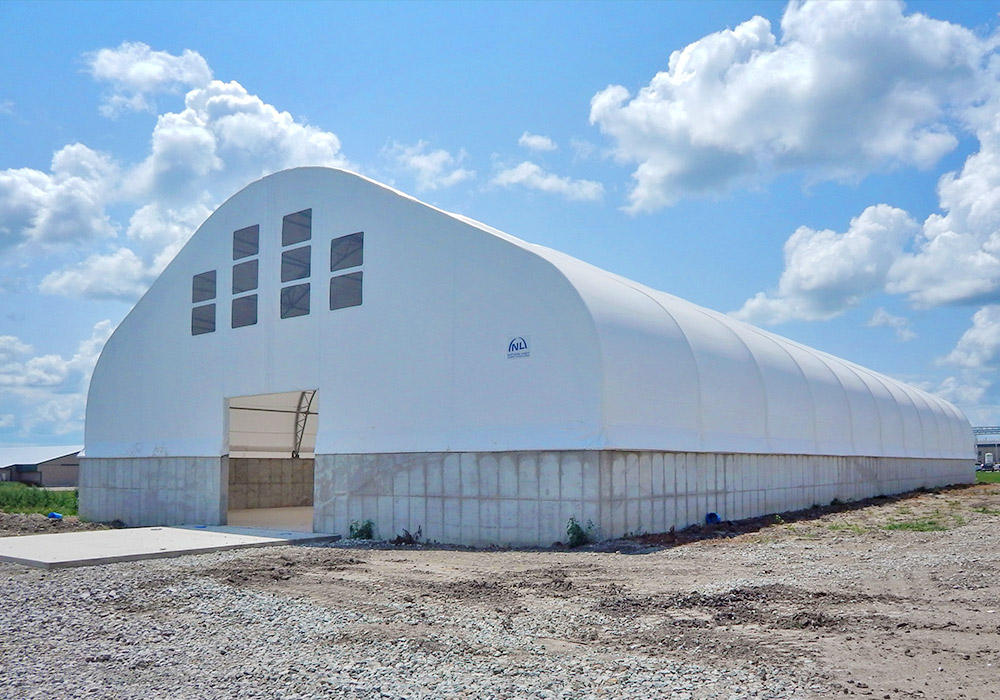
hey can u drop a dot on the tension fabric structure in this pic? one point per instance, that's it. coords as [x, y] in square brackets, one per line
[427, 333]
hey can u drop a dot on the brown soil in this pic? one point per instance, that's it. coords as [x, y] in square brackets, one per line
[12, 524]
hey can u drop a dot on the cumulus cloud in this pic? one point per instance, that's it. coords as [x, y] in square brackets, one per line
[979, 346]
[434, 169]
[958, 252]
[882, 318]
[49, 390]
[120, 275]
[827, 273]
[64, 206]
[849, 88]
[223, 139]
[535, 142]
[136, 72]
[532, 176]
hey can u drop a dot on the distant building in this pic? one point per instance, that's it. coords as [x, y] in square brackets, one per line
[325, 341]
[41, 466]
[987, 440]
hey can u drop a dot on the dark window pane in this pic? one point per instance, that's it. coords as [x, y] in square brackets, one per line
[347, 251]
[245, 311]
[203, 287]
[295, 300]
[244, 276]
[296, 227]
[295, 263]
[246, 242]
[345, 290]
[203, 319]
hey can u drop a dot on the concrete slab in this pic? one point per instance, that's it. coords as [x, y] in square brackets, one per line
[69, 549]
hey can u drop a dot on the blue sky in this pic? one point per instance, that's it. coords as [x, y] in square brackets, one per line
[830, 171]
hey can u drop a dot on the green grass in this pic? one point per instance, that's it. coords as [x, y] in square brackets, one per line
[988, 477]
[18, 498]
[917, 526]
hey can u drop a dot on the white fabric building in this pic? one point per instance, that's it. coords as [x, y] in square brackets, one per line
[325, 338]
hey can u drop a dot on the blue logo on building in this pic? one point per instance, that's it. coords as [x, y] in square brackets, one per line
[519, 346]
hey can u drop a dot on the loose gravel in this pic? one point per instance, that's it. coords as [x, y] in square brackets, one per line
[830, 605]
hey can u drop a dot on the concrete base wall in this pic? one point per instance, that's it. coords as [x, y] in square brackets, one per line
[526, 498]
[270, 483]
[516, 498]
[155, 490]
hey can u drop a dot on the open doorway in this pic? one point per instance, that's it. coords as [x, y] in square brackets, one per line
[272, 442]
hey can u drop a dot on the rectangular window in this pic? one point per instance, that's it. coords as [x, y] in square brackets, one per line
[203, 287]
[203, 319]
[295, 300]
[345, 291]
[295, 263]
[245, 311]
[296, 227]
[347, 251]
[246, 242]
[244, 276]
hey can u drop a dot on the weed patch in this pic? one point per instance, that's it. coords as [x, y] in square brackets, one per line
[364, 530]
[928, 525]
[20, 498]
[576, 534]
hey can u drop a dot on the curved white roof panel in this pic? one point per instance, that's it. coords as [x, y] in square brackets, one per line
[424, 331]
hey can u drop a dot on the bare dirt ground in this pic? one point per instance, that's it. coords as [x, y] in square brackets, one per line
[36, 524]
[889, 598]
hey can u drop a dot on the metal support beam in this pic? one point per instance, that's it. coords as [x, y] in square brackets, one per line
[302, 414]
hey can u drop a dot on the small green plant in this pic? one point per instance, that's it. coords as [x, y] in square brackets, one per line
[21, 498]
[364, 530]
[778, 520]
[928, 525]
[986, 511]
[576, 534]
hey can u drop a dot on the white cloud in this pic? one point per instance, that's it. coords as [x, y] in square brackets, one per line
[136, 72]
[979, 346]
[50, 390]
[7, 420]
[6, 107]
[532, 176]
[434, 169]
[958, 253]
[223, 139]
[882, 318]
[535, 142]
[850, 87]
[65, 206]
[120, 275]
[827, 273]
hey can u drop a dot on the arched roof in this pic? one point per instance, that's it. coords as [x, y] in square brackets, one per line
[422, 363]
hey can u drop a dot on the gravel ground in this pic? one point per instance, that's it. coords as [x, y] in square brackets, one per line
[830, 602]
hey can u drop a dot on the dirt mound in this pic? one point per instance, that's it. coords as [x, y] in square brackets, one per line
[12, 524]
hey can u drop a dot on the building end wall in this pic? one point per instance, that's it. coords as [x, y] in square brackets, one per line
[155, 490]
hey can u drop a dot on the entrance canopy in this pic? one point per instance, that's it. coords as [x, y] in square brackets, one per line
[273, 425]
